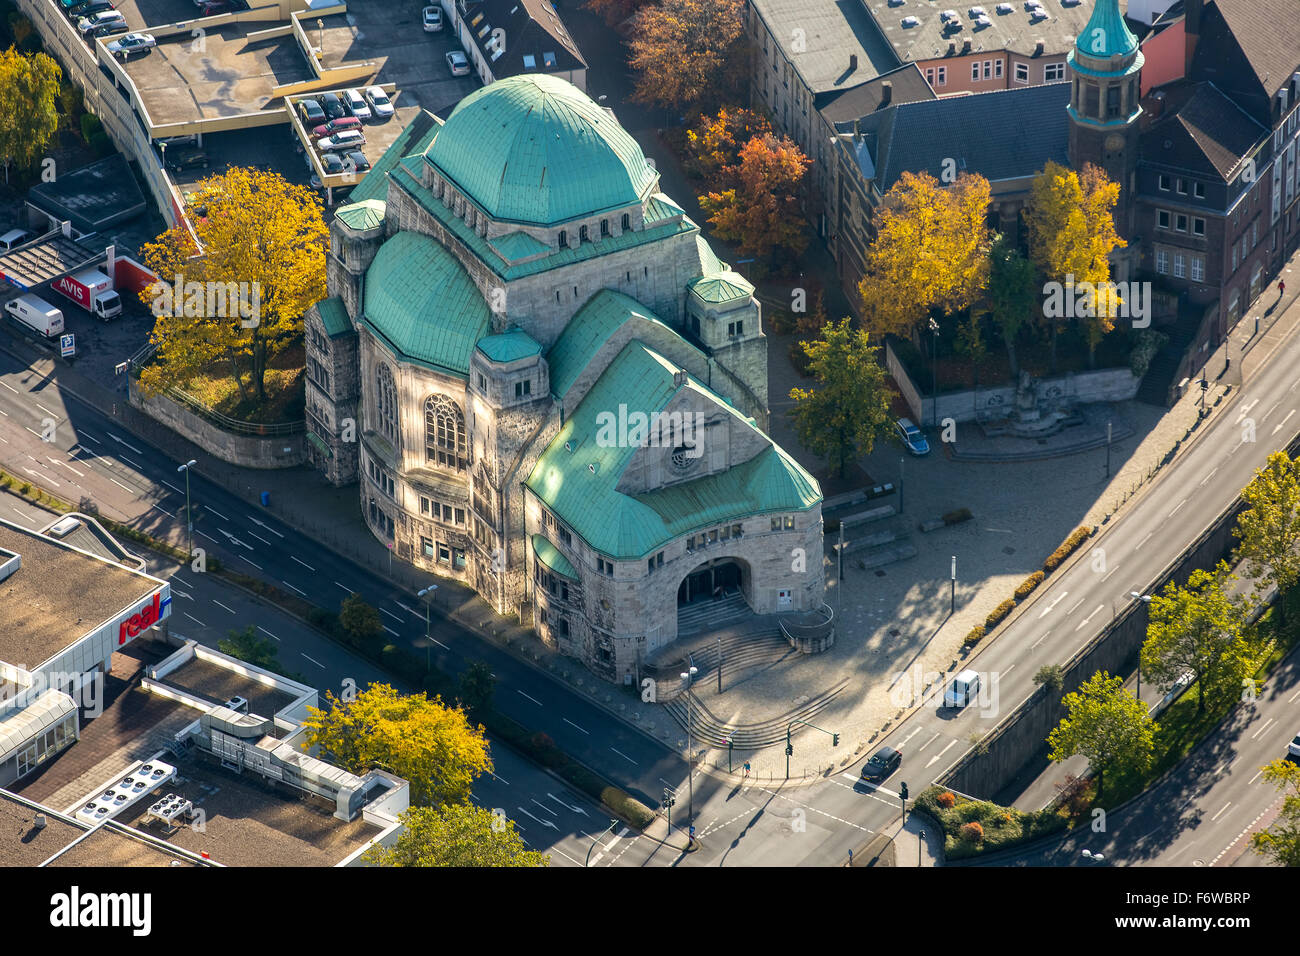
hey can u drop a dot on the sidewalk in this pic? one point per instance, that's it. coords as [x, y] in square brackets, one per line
[916, 843]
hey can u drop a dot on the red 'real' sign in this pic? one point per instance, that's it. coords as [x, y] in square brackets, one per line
[148, 617]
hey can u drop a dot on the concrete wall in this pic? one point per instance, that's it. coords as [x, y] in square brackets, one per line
[1103, 385]
[250, 451]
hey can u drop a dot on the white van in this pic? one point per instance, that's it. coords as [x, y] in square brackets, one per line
[37, 314]
[963, 689]
[14, 238]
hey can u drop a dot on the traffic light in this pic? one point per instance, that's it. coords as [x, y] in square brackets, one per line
[902, 791]
[789, 750]
[1204, 385]
[835, 740]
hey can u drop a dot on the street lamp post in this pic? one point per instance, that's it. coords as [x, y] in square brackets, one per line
[719, 665]
[189, 520]
[428, 634]
[1145, 599]
[901, 462]
[839, 575]
[688, 676]
[612, 824]
[953, 609]
[1108, 424]
[934, 372]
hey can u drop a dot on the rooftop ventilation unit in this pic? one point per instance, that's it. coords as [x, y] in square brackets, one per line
[909, 22]
[137, 784]
[976, 12]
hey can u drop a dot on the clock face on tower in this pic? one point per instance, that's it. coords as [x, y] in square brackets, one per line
[1114, 143]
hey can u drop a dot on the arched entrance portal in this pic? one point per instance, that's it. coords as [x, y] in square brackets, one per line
[712, 580]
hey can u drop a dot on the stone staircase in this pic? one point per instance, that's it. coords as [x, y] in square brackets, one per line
[707, 728]
[872, 538]
[1158, 382]
[708, 615]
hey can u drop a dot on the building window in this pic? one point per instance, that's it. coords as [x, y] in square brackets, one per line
[1198, 226]
[386, 403]
[974, 71]
[988, 69]
[997, 69]
[655, 561]
[523, 388]
[424, 505]
[604, 228]
[783, 523]
[444, 433]
[736, 328]
[482, 383]
[1180, 223]
[605, 567]
[1162, 262]
[1180, 266]
[582, 234]
[627, 222]
[929, 75]
[564, 238]
[1162, 219]
[1198, 190]
[1053, 72]
[1163, 183]
[943, 76]
[426, 547]
[1182, 187]
[1198, 269]
[1022, 72]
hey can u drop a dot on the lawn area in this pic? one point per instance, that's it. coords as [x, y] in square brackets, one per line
[284, 390]
[996, 827]
[1182, 728]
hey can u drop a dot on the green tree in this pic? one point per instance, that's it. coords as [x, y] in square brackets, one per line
[29, 115]
[477, 686]
[1106, 724]
[245, 645]
[359, 620]
[1269, 528]
[848, 411]
[1012, 295]
[461, 835]
[1281, 841]
[1199, 628]
[1052, 676]
[430, 744]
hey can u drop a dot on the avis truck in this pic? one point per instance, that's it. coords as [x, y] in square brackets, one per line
[93, 291]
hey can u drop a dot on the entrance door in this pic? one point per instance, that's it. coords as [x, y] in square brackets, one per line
[704, 582]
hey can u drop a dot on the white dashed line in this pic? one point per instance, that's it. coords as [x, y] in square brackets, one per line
[288, 585]
[194, 619]
[572, 724]
[220, 605]
[533, 699]
[303, 563]
[314, 661]
[266, 632]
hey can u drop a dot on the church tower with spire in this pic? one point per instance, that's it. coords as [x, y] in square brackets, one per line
[1106, 69]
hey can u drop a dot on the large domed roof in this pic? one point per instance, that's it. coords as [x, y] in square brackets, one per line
[536, 149]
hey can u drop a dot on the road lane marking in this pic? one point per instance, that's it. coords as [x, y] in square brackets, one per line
[544, 806]
[1099, 607]
[1144, 540]
[384, 610]
[1075, 608]
[546, 823]
[266, 527]
[624, 756]
[253, 563]
[1220, 813]
[266, 632]
[41, 477]
[390, 630]
[572, 724]
[1177, 506]
[216, 512]
[927, 743]
[121, 441]
[314, 661]
[122, 486]
[1060, 597]
[164, 511]
[10, 387]
[349, 590]
[935, 759]
[172, 487]
[82, 433]
[502, 779]
[263, 540]
[46, 410]
[533, 699]
[1258, 774]
[1034, 646]
[79, 474]
[1263, 727]
[194, 619]
[303, 563]
[1212, 473]
[220, 605]
[129, 462]
[1278, 427]
[288, 585]
[444, 646]
[208, 536]
[1110, 572]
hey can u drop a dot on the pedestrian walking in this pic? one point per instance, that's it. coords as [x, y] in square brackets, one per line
[746, 768]
[1281, 288]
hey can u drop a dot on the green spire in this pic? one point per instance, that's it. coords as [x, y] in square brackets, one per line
[1106, 33]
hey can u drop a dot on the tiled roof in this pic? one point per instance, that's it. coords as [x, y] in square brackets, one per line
[721, 287]
[579, 482]
[423, 303]
[363, 215]
[509, 346]
[1267, 33]
[1208, 133]
[591, 326]
[412, 140]
[1006, 134]
[844, 106]
[334, 316]
[518, 245]
[536, 149]
[532, 29]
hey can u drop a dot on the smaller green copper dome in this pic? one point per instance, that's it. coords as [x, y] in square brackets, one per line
[1106, 34]
[536, 149]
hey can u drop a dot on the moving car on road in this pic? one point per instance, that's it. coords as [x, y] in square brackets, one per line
[913, 438]
[962, 690]
[1293, 748]
[882, 763]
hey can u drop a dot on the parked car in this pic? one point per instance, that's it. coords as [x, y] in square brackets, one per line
[913, 438]
[14, 238]
[90, 24]
[882, 763]
[356, 161]
[132, 43]
[381, 107]
[341, 139]
[334, 108]
[458, 63]
[210, 8]
[332, 163]
[110, 28]
[963, 689]
[186, 158]
[432, 19]
[333, 126]
[356, 104]
[311, 111]
[86, 8]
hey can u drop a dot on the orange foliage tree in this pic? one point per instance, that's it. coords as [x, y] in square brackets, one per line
[716, 140]
[761, 212]
[685, 52]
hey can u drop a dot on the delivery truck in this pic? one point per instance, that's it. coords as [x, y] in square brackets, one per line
[93, 291]
[37, 314]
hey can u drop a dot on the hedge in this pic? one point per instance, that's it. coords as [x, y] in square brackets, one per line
[958, 516]
[1029, 584]
[998, 827]
[1067, 548]
[998, 613]
[975, 634]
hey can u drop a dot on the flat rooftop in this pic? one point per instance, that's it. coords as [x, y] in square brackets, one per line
[1015, 29]
[58, 596]
[251, 822]
[111, 847]
[23, 844]
[217, 685]
[832, 31]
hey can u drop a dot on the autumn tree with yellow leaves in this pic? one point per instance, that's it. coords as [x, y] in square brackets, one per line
[420, 739]
[239, 298]
[1071, 230]
[715, 141]
[688, 52]
[930, 252]
[761, 211]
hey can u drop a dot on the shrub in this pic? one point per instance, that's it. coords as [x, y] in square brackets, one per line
[946, 800]
[958, 516]
[1067, 548]
[90, 125]
[628, 807]
[975, 634]
[1029, 584]
[998, 613]
[1075, 794]
[971, 832]
[25, 488]
[1052, 675]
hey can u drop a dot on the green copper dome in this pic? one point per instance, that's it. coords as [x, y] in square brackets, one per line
[1106, 34]
[536, 149]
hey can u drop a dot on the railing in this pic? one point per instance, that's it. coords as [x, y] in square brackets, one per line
[810, 637]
